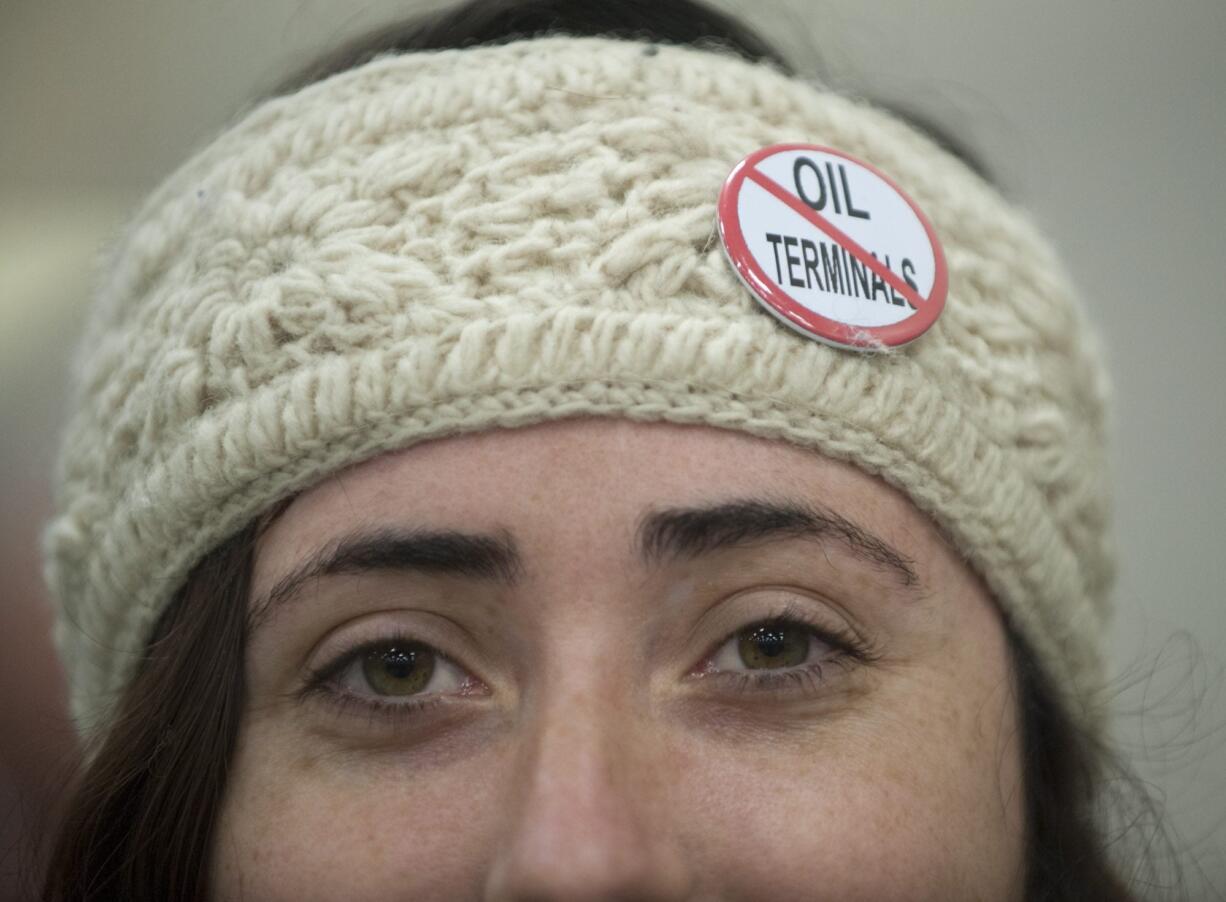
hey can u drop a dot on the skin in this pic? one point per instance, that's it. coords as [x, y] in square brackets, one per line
[575, 753]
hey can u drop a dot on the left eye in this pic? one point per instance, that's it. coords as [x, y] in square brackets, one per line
[772, 645]
[399, 669]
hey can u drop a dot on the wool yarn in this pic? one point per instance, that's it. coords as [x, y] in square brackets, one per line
[435, 243]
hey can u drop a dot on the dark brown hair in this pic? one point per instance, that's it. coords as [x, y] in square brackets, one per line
[500, 21]
[140, 822]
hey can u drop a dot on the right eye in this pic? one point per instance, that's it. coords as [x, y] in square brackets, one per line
[397, 672]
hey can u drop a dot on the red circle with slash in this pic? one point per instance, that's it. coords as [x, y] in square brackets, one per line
[832, 247]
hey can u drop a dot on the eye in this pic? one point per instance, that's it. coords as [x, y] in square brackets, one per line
[771, 645]
[395, 675]
[783, 649]
[399, 669]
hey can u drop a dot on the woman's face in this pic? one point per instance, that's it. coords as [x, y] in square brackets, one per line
[598, 659]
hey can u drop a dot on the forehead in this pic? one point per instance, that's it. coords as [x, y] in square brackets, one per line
[588, 480]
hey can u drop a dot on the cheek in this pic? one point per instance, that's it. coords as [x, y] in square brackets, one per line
[888, 808]
[915, 795]
[890, 811]
[331, 829]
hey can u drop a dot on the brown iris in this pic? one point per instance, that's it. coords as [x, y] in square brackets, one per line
[398, 669]
[773, 645]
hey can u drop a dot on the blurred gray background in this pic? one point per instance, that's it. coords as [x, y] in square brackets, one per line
[1103, 117]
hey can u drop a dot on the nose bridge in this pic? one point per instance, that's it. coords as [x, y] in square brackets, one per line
[589, 814]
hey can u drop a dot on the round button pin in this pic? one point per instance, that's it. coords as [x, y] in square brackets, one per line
[832, 247]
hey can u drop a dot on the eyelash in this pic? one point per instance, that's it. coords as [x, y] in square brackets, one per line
[346, 703]
[323, 682]
[849, 650]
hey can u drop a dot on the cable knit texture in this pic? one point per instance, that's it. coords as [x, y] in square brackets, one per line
[442, 242]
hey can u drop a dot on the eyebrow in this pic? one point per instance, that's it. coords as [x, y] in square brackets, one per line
[676, 533]
[476, 556]
[663, 536]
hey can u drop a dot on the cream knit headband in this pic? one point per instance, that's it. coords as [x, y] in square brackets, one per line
[443, 242]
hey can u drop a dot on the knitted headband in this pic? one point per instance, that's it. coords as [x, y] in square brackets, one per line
[435, 243]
